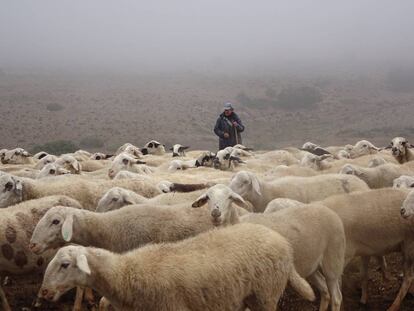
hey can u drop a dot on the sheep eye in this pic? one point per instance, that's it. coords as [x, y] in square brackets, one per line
[8, 186]
[52, 172]
[55, 221]
[64, 265]
[114, 199]
[364, 146]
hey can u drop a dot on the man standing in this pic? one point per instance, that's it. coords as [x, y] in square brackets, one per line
[228, 128]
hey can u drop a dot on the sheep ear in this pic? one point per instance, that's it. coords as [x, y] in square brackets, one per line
[140, 162]
[82, 263]
[412, 185]
[200, 201]
[18, 187]
[255, 184]
[127, 200]
[67, 228]
[184, 148]
[107, 156]
[171, 148]
[389, 146]
[76, 166]
[240, 201]
[156, 145]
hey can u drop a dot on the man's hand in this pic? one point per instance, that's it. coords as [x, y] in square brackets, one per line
[235, 123]
[226, 135]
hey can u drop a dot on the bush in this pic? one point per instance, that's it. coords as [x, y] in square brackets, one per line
[298, 97]
[91, 142]
[54, 107]
[56, 147]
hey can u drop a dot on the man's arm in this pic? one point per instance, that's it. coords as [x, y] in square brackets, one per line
[238, 124]
[217, 129]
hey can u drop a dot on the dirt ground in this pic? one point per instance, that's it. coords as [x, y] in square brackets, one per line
[21, 292]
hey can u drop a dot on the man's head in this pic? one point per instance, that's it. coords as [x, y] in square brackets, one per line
[228, 109]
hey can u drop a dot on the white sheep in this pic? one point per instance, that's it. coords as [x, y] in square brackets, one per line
[69, 163]
[51, 169]
[153, 147]
[374, 227]
[403, 181]
[125, 162]
[129, 149]
[18, 156]
[40, 155]
[316, 235]
[304, 189]
[282, 203]
[17, 224]
[216, 270]
[117, 197]
[315, 162]
[44, 161]
[14, 190]
[377, 177]
[178, 150]
[100, 156]
[363, 147]
[400, 149]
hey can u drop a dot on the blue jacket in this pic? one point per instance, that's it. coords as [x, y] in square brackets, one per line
[225, 125]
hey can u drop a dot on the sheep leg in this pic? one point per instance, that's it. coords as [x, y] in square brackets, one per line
[364, 279]
[104, 304]
[405, 286]
[318, 280]
[4, 302]
[78, 299]
[90, 299]
[386, 276]
[336, 294]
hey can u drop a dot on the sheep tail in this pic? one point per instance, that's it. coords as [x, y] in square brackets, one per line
[301, 286]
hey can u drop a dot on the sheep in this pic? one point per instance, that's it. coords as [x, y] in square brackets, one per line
[69, 163]
[2, 155]
[226, 157]
[18, 156]
[51, 169]
[45, 160]
[282, 203]
[126, 162]
[377, 161]
[283, 170]
[343, 154]
[304, 189]
[400, 150]
[129, 149]
[131, 175]
[363, 147]
[18, 222]
[117, 197]
[217, 270]
[14, 190]
[206, 158]
[100, 156]
[314, 161]
[377, 177]
[153, 147]
[374, 227]
[316, 235]
[178, 150]
[403, 181]
[40, 155]
[181, 165]
[119, 230]
[315, 149]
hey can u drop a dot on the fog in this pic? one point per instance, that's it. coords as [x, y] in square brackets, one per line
[202, 35]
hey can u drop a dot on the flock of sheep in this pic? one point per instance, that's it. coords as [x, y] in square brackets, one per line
[197, 230]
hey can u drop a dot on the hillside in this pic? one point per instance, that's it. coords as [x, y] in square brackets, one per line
[108, 110]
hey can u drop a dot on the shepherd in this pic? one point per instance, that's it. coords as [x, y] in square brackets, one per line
[228, 127]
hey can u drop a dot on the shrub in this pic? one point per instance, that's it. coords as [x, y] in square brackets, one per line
[91, 142]
[56, 147]
[298, 97]
[54, 107]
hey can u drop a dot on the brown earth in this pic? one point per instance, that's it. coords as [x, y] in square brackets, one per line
[22, 292]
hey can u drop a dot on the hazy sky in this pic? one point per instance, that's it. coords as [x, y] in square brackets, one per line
[193, 34]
